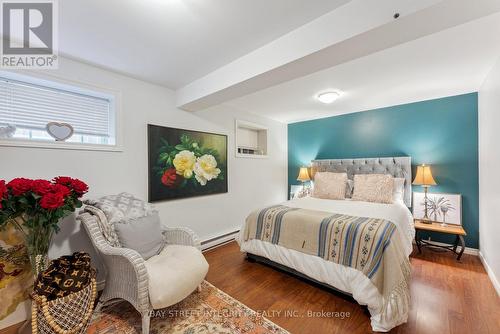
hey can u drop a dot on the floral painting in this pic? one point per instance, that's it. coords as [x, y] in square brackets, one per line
[185, 163]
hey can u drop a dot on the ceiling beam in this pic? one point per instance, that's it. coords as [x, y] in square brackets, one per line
[354, 30]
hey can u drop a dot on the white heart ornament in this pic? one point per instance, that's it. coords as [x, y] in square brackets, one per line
[59, 131]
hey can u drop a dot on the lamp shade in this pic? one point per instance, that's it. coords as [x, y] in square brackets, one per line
[303, 175]
[424, 176]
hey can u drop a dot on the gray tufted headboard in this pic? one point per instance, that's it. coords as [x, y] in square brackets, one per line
[396, 166]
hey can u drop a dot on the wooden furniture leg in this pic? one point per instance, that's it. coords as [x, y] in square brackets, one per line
[455, 244]
[462, 244]
[417, 241]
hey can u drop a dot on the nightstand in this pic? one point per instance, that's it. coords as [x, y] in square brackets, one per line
[456, 230]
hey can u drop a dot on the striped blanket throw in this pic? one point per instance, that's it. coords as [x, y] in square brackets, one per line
[369, 245]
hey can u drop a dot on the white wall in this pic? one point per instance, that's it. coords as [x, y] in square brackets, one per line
[252, 182]
[489, 181]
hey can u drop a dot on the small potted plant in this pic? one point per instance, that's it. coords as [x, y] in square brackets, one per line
[35, 208]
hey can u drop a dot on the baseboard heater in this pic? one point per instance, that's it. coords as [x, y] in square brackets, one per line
[218, 241]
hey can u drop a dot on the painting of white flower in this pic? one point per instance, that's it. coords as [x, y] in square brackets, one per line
[185, 163]
[205, 169]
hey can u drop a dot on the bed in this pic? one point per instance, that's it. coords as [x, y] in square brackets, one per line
[387, 310]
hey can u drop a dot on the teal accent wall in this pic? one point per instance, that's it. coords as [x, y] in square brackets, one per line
[441, 132]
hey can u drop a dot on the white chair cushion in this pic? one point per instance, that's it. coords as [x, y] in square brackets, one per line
[174, 274]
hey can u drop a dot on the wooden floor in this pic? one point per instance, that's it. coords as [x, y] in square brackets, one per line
[10, 330]
[447, 296]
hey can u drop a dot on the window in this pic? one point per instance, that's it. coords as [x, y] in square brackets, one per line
[27, 105]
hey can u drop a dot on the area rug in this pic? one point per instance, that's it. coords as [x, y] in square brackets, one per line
[208, 311]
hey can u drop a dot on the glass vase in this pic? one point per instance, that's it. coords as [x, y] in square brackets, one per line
[38, 240]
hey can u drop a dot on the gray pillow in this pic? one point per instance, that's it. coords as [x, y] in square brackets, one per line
[142, 234]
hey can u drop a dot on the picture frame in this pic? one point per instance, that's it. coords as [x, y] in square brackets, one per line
[294, 191]
[185, 163]
[297, 191]
[441, 207]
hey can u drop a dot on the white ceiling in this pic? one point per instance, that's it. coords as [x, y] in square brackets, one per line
[173, 42]
[213, 51]
[451, 62]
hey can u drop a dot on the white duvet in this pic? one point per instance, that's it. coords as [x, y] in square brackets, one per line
[341, 277]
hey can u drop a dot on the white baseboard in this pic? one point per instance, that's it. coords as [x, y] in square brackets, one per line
[490, 272]
[468, 250]
[218, 241]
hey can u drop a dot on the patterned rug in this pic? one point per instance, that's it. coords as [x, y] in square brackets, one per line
[206, 312]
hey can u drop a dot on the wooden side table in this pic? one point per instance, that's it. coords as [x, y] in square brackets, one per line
[456, 230]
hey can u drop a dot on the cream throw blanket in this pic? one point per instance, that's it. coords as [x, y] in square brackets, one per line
[369, 245]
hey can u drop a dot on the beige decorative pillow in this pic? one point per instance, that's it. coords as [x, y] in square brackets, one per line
[373, 188]
[329, 185]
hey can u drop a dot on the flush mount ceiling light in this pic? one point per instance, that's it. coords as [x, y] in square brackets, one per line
[328, 97]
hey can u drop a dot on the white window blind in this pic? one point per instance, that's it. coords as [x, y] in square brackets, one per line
[31, 106]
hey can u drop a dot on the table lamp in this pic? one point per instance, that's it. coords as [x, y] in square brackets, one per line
[303, 176]
[424, 178]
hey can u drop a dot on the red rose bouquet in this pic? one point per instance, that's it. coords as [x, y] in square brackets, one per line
[35, 208]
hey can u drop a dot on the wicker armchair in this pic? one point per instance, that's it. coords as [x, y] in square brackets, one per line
[126, 273]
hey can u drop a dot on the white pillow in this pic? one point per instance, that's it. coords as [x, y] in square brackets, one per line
[398, 193]
[329, 185]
